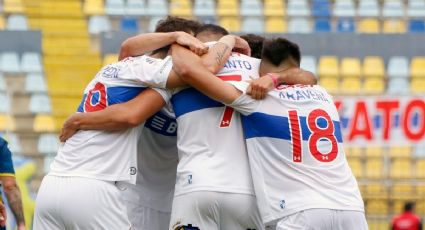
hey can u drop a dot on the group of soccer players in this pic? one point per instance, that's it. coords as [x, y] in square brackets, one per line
[184, 133]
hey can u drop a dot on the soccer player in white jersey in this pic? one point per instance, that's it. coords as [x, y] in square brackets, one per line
[82, 189]
[301, 176]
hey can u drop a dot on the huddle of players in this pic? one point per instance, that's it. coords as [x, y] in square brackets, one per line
[290, 171]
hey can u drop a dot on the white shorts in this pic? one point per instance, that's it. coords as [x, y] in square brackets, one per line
[142, 218]
[76, 203]
[322, 219]
[207, 210]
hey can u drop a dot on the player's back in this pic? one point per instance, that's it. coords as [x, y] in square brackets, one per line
[212, 154]
[296, 153]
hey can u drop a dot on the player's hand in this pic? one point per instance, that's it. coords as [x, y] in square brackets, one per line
[187, 40]
[242, 46]
[259, 88]
[68, 129]
[2, 215]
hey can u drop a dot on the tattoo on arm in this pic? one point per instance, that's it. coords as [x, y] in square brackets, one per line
[15, 203]
[220, 54]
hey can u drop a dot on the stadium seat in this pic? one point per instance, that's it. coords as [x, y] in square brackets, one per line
[328, 66]
[417, 26]
[158, 8]
[181, 8]
[373, 66]
[208, 19]
[350, 85]
[376, 190]
[232, 24]
[398, 86]
[331, 84]
[114, 7]
[420, 169]
[356, 166]
[393, 8]
[374, 168]
[98, 24]
[34, 83]
[204, 8]
[368, 8]
[322, 25]
[377, 207]
[5, 103]
[344, 8]
[253, 25]
[2, 23]
[417, 67]
[321, 9]
[130, 25]
[3, 85]
[398, 66]
[276, 25]
[17, 22]
[417, 85]
[419, 150]
[416, 8]
[374, 85]
[9, 62]
[350, 67]
[309, 63]
[368, 26]
[13, 6]
[401, 168]
[374, 151]
[39, 103]
[420, 190]
[251, 8]
[109, 59]
[274, 8]
[402, 190]
[14, 143]
[400, 151]
[44, 123]
[346, 25]
[353, 151]
[299, 25]
[227, 8]
[31, 62]
[298, 8]
[135, 7]
[394, 26]
[378, 224]
[420, 207]
[48, 144]
[7, 123]
[93, 7]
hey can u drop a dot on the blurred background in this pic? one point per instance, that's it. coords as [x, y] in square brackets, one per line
[369, 54]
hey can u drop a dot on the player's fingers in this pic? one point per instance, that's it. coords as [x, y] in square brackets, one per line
[249, 90]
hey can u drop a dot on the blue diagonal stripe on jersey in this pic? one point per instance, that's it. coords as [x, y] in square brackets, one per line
[116, 95]
[189, 100]
[266, 125]
[161, 124]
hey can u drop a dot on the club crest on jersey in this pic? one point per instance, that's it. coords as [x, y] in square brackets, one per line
[110, 72]
[282, 204]
[189, 179]
[133, 171]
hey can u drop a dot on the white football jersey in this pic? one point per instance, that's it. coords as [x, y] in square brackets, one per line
[111, 155]
[157, 162]
[296, 152]
[212, 153]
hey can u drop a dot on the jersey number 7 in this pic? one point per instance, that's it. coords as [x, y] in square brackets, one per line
[228, 111]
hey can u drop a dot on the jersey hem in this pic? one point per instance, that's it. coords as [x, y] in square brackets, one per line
[214, 189]
[97, 177]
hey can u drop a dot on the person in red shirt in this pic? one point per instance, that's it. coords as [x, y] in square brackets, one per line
[407, 220]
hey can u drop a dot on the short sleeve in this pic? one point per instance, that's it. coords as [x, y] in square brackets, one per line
[6, 164]
[166, 94]
[153, 72]
[245, 104]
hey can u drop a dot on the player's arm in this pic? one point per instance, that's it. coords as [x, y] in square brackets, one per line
[144, 43]
[13, 195]
[115, 117]
[3, 215]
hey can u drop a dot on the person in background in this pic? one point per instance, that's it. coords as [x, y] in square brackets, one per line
[10, 187]
[407, 220]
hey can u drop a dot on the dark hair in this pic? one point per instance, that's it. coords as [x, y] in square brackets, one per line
[255, 43]
[279, 49]
[172, 24]
[212, 28]
[408, 206]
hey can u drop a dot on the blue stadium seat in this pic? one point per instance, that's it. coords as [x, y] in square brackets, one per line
[417, 26]
[31, 62]
[251, 8]
[130, 25]
[40, 103]
[34, 83]
[322, 25]
[346, 25]
[135, 7]
[253, 25]
[321, 8]
[204, 8]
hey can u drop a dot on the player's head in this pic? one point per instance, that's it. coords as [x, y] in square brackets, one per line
[172, 24]
[210, 32]
[409, 206]
[278, 55]
[255, 43]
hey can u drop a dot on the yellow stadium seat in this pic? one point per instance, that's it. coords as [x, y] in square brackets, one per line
[417, 67]
[393, 26]
[374, 151]
[44, 123]
[353, 151]
[228, 8]
[377, 207]
[378, 224]
[420, 168]
[420, 207]
[376, 190]
[232, 24]
[182, 8]
[331, 84]
[399, 191]
[400, 151]
[274, 8]
[373, 66]
[276, 25]
[356, 166]
[350, 85]
[374, 85]
[109, 59]
[65, 106]
[374, 168]
[13, 6]
[417, 85]
[420, 190]
[328, 66]
[350, 67]
[7, 123]
[2, 23]
[94, 7]
[368, 26]
[401, 168]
